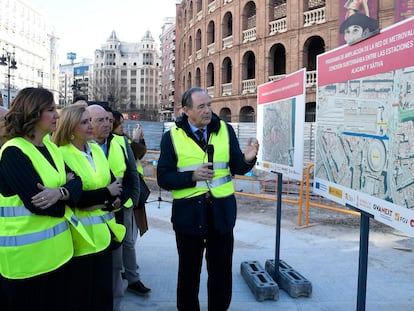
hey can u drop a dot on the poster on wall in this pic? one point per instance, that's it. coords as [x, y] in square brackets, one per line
[365, 126]
[358, 19]
[403, 9]
[280, 125]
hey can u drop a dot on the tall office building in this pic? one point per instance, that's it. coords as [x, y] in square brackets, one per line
[28, 48]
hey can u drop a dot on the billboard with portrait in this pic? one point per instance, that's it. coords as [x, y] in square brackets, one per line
[365, 126]
[403, 9]
[357, 19]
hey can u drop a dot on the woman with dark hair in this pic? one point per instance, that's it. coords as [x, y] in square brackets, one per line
[35, 234]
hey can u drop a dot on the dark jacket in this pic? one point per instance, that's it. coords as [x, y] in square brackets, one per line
[190, 215]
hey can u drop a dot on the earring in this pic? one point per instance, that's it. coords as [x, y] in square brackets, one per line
[72, 137]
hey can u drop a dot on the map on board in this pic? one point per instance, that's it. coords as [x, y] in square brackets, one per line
[280, 125]
[366, 142]
[365, 126]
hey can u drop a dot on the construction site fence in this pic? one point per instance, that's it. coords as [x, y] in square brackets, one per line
[263, 185]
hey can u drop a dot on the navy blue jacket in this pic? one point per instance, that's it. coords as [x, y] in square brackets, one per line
[189, 215]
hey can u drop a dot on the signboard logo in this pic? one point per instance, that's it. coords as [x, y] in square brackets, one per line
[399, 218]
[385, 212]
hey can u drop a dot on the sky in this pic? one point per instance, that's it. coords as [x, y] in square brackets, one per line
[84, 25]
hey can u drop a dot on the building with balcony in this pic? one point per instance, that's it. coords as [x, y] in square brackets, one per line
[167, 70]
[126, 76]
[27, 36]
[230, 47]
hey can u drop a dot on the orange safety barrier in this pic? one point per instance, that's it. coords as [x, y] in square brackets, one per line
[309, 202]
[294, 192]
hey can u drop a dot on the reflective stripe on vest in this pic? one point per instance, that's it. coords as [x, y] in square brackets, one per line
[14, 211]
[30, 238]
[214, 183]
[25, 237]
[93, 179]
[216, 165]
[221, 185]
[95, 220]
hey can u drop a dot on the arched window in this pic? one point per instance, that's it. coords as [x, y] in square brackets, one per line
[210, 75]
[189, 81]
[278, 9]
[225, 114]
[249, 66]
[249, 15]
[227, 26]
[190, 46]
[277, 60]
[247, 114]
[198, 77]
[226, 70]
[312, 48]
[198, 40]
[199, 5]
[210, 33]
[190, 11]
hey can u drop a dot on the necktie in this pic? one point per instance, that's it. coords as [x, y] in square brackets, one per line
[200, 134]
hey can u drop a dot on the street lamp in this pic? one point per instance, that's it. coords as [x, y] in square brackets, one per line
[75, 88]
[8, 59]
[111, 100]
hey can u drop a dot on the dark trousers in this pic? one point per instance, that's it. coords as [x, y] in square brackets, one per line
[91, 281]
[43, 292]
[219, 254]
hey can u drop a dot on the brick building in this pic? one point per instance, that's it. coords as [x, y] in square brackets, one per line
[229, 47]
[167, 70]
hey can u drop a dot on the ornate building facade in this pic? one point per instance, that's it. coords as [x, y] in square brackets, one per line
[126, 76]
[229, 47]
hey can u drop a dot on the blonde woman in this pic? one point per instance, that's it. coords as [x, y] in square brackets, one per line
[91, 276]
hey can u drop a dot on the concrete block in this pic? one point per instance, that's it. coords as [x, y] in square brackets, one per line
[270, 267]
[289, 280]
[259, 281]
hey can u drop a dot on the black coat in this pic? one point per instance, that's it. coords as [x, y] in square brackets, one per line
[190, 215]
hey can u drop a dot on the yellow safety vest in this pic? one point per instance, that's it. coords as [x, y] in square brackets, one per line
[33, 244]
[112, 162]
[116, 158]
[140, 169]
[222, 183]
[97, 221]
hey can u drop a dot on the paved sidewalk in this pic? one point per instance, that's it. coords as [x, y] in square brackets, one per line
[330, 264]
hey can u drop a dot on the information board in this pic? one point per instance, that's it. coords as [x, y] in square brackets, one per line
[280, 125]
[365, 126]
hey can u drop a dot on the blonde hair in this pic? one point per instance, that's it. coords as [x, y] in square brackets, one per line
[70, 117]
